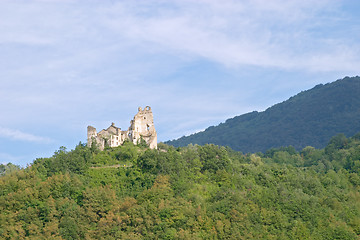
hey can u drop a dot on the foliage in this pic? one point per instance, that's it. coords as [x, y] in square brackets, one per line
[8, 168]
[310, 118]
[193, 192]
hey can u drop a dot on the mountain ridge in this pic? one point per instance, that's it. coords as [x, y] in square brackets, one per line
[310, 118]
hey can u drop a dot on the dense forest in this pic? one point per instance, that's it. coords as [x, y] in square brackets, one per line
[192, 192]
[310, 118]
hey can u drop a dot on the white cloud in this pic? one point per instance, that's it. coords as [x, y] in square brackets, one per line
[277, 34]
[233, 33]
[22, 136]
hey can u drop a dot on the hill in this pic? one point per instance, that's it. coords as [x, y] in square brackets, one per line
[193, 192]
[310, 118]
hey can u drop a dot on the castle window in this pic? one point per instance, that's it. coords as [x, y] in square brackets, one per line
[147, 127]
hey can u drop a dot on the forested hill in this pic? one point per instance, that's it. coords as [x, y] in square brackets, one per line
[194, 192]
[310, 118]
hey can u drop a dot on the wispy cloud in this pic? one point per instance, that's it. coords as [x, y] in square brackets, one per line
[233, 33]
[285, 35]
[22, 136]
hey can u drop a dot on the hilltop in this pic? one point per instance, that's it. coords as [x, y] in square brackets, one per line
[310, 118]
[193, 192]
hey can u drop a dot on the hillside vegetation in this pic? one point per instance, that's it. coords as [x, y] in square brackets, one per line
[310, 118]
[193, 192]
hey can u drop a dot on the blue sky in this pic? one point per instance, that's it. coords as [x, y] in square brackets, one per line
[67, 64]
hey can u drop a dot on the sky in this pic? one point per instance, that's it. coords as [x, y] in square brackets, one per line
[67, 64]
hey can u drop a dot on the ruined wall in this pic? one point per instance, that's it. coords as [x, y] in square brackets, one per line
[142, 126]
[91, 134]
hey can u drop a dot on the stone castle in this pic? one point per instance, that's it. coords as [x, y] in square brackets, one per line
[141, 127]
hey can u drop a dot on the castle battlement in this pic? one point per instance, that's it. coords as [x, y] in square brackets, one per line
[142, 126]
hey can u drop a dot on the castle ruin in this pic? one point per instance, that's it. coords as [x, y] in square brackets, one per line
[141, 127]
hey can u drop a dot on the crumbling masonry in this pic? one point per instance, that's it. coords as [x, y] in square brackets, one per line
[142, 126]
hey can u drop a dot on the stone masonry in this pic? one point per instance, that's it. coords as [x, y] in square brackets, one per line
[142, 126]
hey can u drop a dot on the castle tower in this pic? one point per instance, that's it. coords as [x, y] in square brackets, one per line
[91, 135]
[142, 126]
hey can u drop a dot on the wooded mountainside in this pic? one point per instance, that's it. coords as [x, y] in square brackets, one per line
[193, 192]
[310, 118]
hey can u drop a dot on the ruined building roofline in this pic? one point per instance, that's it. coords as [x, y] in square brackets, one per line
[113, 126]
[89, 127]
